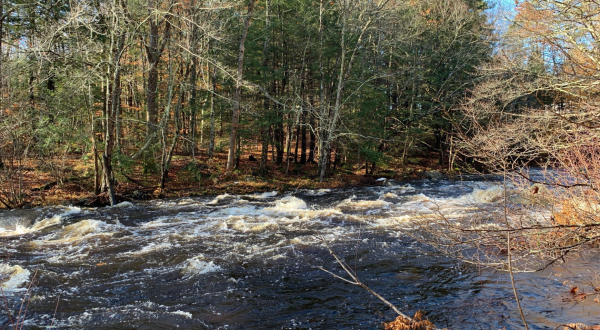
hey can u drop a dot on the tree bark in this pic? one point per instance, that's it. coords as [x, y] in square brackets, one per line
[154, 49]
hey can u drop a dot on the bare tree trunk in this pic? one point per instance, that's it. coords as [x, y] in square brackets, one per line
[278, 134]
[168, 156]
[296, 148]
[330, 123]
[322, 107]
[289, 144]
[303, 143]
[264, 152]
[105, 116]
[1, 60]
[264, 131]
[154, 49]
[202, 123]
[213, 79]
[193, 105]
[111, 118]
[117, 116]
[313, 142]
[238, 90]
[237, 154]
[299, 113]
[152, 87]
[97, 176]
[31, 90]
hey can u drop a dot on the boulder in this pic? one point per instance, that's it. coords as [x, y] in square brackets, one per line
[433, 175]
[139, 195]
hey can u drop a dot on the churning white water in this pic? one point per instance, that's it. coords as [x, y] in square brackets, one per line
[248, 261]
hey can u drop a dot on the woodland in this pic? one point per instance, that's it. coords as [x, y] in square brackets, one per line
[109, 92]
[97, 97]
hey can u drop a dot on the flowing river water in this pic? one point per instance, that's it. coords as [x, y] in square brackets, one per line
[251, 262]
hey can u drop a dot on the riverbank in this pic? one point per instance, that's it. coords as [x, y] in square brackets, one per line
[70, 180]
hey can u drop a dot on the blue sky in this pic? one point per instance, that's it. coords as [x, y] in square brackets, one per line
[508, 5]
[501, 12]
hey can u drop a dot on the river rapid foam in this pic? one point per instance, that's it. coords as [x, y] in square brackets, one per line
[250, 261]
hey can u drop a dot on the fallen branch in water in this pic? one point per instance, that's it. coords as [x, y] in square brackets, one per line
[409, 323]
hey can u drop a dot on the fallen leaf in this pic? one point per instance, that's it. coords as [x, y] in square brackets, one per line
[574, 290]
[101, 264]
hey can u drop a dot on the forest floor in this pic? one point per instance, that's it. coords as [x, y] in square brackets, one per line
[70, 179]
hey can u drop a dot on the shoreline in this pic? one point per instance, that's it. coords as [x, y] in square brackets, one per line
[208, 179]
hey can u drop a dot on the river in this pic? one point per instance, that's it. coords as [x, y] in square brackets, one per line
[251, 262]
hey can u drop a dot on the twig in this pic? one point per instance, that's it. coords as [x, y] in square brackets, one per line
[55, 309]
[10, 319]
[510, 270]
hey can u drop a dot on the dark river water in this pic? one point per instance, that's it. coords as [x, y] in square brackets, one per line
[251, 262]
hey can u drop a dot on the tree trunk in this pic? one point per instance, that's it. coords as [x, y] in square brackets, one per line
[279, 137]
[193, 106]
[168, 156]
[151, 92]
[296, 148]
[117, 115]
[105, 115]
[303, 143]
[323, 110]
[154, 50]
[238, 90]
[213, 79]
[264, 127]
[237, 154]
[97, 176]
[313, 142]
[111, 118]
[289, 144]
[264, 152]
[439, 145]
[31, 90]
[1, 59]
